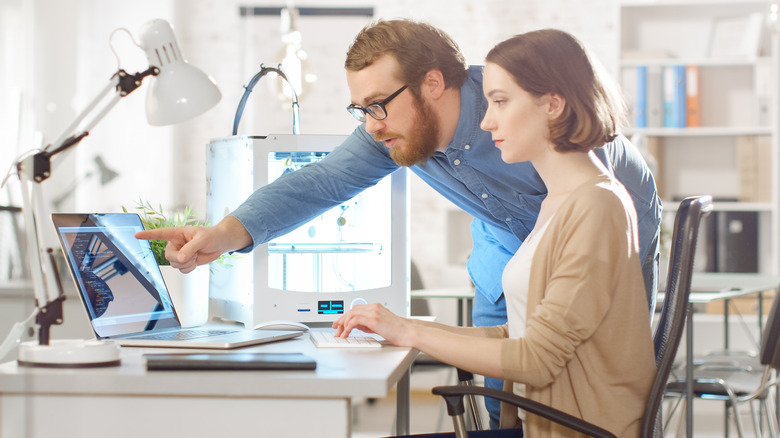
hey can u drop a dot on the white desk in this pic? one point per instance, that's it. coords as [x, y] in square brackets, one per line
[129, 401]
[463, 295]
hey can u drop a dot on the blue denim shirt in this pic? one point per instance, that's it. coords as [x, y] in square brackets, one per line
[504, 199]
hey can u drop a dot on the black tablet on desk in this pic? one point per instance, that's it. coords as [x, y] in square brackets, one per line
[228, 361]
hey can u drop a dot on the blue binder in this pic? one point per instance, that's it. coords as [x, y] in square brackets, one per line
[640, 102]
[674, 98]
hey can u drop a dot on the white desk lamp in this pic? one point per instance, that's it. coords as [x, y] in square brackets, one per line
[178, 93]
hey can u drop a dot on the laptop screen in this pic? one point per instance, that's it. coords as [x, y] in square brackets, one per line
[116, 274]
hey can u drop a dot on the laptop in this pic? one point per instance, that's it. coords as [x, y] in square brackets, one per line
[123, 290]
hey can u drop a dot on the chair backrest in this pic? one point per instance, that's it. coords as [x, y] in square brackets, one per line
[675, 307]
[770, 350]
[418, 306]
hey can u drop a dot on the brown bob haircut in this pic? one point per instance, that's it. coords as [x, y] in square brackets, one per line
[418, 48]
[553, 61]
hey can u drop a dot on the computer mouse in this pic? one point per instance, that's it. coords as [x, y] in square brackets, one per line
[282, 325]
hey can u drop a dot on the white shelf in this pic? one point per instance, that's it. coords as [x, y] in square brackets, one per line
[630, 60]
[734, 153]
[703, 131]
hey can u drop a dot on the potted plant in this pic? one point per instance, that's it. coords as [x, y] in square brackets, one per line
[189, 292]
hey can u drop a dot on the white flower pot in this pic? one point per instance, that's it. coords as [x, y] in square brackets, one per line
[190, 294]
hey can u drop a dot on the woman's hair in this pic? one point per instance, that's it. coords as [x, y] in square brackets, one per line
[553, 61]
[418, 48]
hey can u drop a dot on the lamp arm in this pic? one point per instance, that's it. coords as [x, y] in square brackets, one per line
[251, 85]
[113, 83]
[124, 83]
[51, 313]
[29, 199]
[38, 165]
[36, 168]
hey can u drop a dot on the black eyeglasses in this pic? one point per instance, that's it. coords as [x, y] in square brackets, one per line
[376, 110]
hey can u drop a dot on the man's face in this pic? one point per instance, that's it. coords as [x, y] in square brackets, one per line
[411, 127]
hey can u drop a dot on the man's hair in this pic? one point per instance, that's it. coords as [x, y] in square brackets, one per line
[418, 48]
[553, 61]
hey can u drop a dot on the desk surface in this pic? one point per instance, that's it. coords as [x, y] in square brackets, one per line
[710, 286]
[340, 373]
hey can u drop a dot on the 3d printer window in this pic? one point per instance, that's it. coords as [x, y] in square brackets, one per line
[345, 249]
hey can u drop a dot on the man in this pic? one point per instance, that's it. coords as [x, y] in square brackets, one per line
[421, 107]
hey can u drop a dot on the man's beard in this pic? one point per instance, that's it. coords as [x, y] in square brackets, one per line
[422, 141]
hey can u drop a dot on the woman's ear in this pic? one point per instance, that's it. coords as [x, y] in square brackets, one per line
[556, 105]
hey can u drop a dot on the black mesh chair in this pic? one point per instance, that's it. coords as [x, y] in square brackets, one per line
[666, 338]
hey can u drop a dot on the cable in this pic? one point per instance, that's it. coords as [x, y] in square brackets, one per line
[13, 169]
[251, 85]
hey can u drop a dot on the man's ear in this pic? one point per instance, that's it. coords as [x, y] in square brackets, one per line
[556, 104]
[433, 84]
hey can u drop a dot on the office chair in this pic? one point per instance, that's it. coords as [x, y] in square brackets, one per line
[740, 380]
[666, 338]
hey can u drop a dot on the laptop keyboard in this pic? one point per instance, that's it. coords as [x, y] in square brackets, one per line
[183, 335]
[328, 339]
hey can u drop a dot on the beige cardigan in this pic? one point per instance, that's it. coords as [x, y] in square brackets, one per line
[588, 347]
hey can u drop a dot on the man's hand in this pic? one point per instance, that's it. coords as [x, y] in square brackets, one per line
[189, 247]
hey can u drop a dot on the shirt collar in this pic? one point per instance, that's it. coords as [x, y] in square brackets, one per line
[472, 107]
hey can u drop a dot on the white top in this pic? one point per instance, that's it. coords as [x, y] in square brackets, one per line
[515, 283]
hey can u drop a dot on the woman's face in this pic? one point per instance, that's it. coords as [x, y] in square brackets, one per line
[517, 120]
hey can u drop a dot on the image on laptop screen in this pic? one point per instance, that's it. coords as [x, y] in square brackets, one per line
[116, 274]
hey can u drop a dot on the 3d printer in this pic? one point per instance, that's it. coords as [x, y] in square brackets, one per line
[354, 253]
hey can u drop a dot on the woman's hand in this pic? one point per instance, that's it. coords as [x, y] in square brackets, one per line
[375, 318]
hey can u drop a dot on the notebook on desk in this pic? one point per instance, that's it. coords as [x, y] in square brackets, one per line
[123, 291]
[229, 362]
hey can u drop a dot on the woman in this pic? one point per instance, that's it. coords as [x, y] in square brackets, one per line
[578, 333]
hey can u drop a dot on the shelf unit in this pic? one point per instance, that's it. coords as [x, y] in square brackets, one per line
[733, 152]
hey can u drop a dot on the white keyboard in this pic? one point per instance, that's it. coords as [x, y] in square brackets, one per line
[328, 339]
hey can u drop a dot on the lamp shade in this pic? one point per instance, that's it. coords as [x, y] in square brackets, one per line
[181, 91]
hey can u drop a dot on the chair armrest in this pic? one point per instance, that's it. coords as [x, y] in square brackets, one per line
[453, 397]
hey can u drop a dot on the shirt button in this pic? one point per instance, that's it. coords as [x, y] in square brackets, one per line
[484, 196]
[467, 147]
[456, 162]
[508, 219]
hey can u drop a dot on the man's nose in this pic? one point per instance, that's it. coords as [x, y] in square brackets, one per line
[373, 125]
